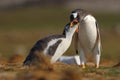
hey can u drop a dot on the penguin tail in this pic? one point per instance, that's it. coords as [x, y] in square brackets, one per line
[28, 60]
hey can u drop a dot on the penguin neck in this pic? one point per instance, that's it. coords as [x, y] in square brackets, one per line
[69, 33]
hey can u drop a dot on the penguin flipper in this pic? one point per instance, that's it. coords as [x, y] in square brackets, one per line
[76, 42]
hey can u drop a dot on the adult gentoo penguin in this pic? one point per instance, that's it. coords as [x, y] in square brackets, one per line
[54, 45]
[88, 36]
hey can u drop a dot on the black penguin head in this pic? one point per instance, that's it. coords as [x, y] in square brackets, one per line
[78, 14]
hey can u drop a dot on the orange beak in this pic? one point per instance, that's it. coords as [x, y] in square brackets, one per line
[74, 22]
[77, 30]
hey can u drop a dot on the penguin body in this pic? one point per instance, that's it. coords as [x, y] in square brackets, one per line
[88, 33]
[54, 45]
[87, 37]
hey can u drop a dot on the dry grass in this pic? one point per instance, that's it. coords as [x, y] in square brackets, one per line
[43, 70]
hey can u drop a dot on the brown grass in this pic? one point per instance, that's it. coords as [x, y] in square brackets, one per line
[43, 70]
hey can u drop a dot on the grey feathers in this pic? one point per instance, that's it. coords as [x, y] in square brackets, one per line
[53, 48]
[41, 45]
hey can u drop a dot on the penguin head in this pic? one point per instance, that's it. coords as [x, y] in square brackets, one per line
[78, 14]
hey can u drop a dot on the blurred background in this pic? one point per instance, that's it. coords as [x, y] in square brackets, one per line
[23, 22]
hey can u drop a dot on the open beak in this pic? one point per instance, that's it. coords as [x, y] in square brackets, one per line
[74, 22]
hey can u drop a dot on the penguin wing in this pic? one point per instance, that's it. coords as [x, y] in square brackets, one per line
[76, 42]
[98, 34]
[98, 39]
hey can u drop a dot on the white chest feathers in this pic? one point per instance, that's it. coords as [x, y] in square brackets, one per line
[63, 46]
[88, 32]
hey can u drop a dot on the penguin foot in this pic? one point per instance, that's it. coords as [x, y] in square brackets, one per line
[83, 66]
[96, 66]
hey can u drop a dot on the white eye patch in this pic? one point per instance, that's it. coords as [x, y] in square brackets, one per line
[74, 15]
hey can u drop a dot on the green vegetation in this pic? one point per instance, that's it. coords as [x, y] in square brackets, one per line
[108, 20]
[37, 17]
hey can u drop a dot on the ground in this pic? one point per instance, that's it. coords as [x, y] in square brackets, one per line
[14, 70]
